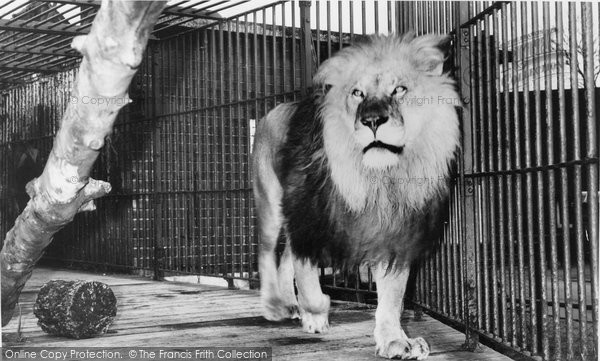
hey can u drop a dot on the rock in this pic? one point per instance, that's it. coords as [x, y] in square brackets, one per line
[75, 309]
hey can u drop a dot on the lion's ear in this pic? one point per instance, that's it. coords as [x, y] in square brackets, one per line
[428, 53]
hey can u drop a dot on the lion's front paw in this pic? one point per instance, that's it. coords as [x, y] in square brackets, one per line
[274, 309]
[404, 349]
[315, 322]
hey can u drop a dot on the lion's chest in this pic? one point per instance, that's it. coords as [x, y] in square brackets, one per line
[322, 226]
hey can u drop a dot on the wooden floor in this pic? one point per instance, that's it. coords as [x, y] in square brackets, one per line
[176, 314]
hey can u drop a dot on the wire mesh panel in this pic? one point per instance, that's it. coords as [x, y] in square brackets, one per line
[28, 120]
[120, 227]
[213, 85]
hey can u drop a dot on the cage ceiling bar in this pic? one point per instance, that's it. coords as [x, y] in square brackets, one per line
[36, 35]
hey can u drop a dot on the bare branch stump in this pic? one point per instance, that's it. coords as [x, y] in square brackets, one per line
[75, 309]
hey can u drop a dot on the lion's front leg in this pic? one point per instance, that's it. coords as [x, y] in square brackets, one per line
[390, 339]
[314, 305]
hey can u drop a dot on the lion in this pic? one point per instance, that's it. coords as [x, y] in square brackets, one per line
[358, 172]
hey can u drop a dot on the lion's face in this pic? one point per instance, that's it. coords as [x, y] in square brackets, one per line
[374, 101]
[387, 97]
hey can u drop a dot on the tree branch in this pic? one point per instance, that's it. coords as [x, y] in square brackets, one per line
[112, 52]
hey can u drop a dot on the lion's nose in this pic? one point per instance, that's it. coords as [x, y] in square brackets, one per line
[374, 121]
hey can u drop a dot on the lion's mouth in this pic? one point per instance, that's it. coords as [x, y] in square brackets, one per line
[379, 144]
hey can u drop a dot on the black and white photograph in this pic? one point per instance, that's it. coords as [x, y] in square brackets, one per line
[295, 180]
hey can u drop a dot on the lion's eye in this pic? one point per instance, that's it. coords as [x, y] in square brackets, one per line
[358, 93]
[399, 90]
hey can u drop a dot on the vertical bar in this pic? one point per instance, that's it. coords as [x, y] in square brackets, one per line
[477, 102]
[157, 157]
[527, 53]
[294, 48]
[340, 27]
[420, 21]
[238, 236]
[577, 179]
[306, 49]
[176, 156]
[491, 317]
[229, 150]
[247, 117]
[437, 279]
[221, 171]
[195, 54]
[364, 16]
[199, 127]
[401, 16]
[456, 267]
[351, 17]
[184, 153]
[501, 321]
[181, 152]
[208, 41]
[551, 179]
[435, 28]
[518, 178]
[540, 293]
[428, 16]
[390, 27]
[265, 61]
[376, 11]
[467, 205]
[328, 7]
[445, 270]
[589, 47]
[211, 150]
[429, 288]
[483, 282]
[422, 17]
[274, 60]
[255, 62]
[508, 165]
[284, 71]
[172, 165]
[318, 34]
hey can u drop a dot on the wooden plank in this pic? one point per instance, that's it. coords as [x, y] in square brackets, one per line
[191, 315]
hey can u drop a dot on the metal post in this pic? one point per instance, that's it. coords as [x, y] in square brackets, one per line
[468, 205]
[157, 252]
[306, 49]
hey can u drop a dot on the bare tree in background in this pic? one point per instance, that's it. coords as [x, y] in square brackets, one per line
[578, 57]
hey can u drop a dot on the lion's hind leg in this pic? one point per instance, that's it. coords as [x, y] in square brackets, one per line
[277, 283]
[390, 339]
